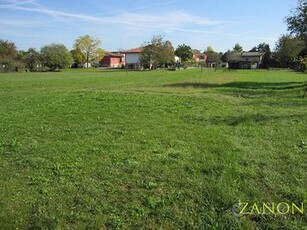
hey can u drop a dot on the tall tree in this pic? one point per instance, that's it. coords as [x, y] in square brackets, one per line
[297, 25]
[210, 49]
[167, 54]
[297, 21]
[146, 57]
[287, 50]
[56, 56]
[212, 56]
[88, 46]
[32, 59]
[99, 54]
[20, 59]
[227, 56]
[238, 48]
[303, 62]
[78, 56]
[157, 52]
[184, 52]
[8, 53]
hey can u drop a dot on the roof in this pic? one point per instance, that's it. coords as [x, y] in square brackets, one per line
[252, 54]
[244, 56]
[135, 50]
[113, 54]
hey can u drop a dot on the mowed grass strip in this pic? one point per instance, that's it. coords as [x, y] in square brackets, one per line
[171, 150]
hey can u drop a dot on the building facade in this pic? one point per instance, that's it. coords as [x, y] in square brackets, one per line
[132, 58]
[113, 60]
[246, 60]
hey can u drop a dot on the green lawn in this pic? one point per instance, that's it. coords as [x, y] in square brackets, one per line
[93, 149]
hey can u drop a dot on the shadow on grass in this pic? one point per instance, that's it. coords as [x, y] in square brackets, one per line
[259, 119]
[114, 70]
[242, 85]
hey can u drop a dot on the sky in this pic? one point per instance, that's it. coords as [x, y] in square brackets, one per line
[126, 24]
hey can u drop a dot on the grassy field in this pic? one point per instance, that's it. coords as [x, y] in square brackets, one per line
[93, 149]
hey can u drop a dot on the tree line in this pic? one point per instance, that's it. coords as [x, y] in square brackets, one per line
[51, 57]
[290, 51]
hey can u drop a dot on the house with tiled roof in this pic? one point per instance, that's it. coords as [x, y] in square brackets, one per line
[113, 59]
[132, 57]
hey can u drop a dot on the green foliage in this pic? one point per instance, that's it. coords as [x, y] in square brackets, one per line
[7, 50]
[33, 59]
[287, 50]
[56, 56]
[303, 62]
[157, 53]
[212, 56]
[20, 62]
[78, 56]
[227, 56]
[89, 47]
[184, 52]
[210, 49]
[99, 54]
[297, 22]
[8, 53]
[146, 57]
[297, 25]
[167, 55]
[237, 48]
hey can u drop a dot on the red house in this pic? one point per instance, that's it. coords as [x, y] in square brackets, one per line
[113, 60]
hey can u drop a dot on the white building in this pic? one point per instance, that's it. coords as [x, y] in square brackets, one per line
[132, 57]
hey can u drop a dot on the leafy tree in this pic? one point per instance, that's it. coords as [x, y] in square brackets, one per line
[157, 53]
[232, 54]
[88, 46]
[99, 54]
[238, 48]
[226, 57]
[297, 25]
[8, 53]
[184, 52]
[303, 62]
[20, 59]
[97, 60]
[56, 56]
[78, 56]
[212, 56]
[297, 22]
[147, 56]
[210, 49]
[262, 47]
[287, 50]
[167, 54]
[32, 58]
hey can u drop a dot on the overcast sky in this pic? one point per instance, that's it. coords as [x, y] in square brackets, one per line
[121, 24]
